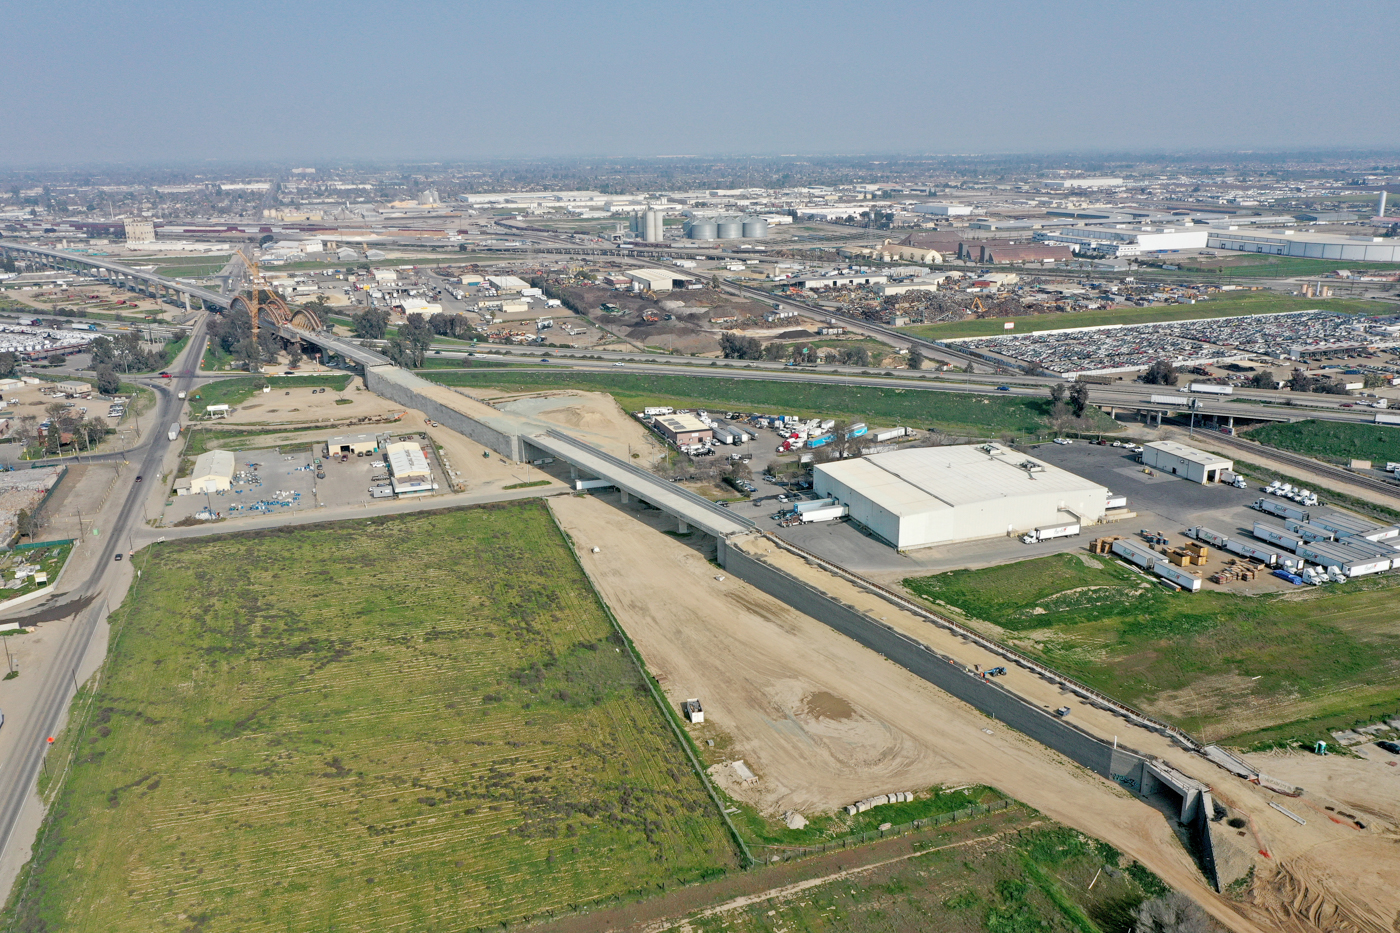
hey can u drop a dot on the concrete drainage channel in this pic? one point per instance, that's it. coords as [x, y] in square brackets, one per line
[1132, 770]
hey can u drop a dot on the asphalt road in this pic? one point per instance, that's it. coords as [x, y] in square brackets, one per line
[19, 772]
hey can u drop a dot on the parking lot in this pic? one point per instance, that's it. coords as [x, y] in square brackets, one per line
[287, 479]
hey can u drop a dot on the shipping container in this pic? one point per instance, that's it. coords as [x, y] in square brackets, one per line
[856, 430]
[1387, 419]
[826, 514]
[1281, 509]
[1275, 535]
[582, 484]
[1352, 562]
[1243, 548]
[1202, 533]
[1046, 532]
[1187, 581]
[821, 441]
[1211, 388]
[890, 434]
[1309, 532]
[1116, 502]
[1167, 400]
[661, 410]
[1135, 554]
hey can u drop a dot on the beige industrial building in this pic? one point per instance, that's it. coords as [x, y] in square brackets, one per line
[356, 444]
[942, 495]
[1187, 462]
[213, 472]
[658, 280]
[683, 430]
[409, 471]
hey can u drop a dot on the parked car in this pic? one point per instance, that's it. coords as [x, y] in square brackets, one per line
[1391, 747]
[1003, 388]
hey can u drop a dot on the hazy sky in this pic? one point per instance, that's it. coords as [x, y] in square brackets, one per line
[297, 80]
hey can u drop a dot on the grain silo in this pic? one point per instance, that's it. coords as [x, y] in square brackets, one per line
[755, 227]
[729, 228]
[703, 230]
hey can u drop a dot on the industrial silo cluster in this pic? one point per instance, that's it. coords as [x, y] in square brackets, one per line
[726, 228]
[650, 226]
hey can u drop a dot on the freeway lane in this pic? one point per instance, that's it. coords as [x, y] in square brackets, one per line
[108, 581]
[1129, 397]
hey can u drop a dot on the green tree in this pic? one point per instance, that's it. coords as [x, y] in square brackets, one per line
[9, 365]
[916, 358]
[107, 381]
[249, 354]
[1160, 373]
[370, 324]
[1079, 398]
[294, 355]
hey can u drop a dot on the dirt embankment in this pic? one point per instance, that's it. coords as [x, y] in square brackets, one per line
[823, 722]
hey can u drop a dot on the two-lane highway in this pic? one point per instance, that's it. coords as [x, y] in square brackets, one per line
[108, 582]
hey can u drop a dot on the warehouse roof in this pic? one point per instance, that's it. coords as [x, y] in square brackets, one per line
[681, 423]
[213, 463]
[406, 459]
[909, 482]
[1189, 453]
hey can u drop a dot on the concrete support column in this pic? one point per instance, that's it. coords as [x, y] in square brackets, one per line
[625, 500]
[1232, 424]
[682, 527]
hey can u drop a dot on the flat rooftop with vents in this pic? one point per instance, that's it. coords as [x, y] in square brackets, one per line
[942, 495]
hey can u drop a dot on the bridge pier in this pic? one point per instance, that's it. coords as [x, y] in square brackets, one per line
[625, 500]
[682, 527]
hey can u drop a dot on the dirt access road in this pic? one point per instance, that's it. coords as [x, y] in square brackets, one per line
[823, 721]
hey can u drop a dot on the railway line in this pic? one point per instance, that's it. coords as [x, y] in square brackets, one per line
[1369, 483]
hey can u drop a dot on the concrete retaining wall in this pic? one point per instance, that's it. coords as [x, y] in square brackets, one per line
[401, 391]
[985, 695]
[1118, 764]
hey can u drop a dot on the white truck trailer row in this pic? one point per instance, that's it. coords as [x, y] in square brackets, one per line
[1155, 563]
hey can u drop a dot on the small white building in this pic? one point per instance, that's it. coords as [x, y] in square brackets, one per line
[409, 471]
[213, 472]
[1186, 462]
[385, 276]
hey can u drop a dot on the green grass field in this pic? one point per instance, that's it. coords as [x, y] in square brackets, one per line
[1333, 440]
[416, 723]
[1032, 881]
[973, 415]
[1214, 307]
[238, 390]
[1225, 666]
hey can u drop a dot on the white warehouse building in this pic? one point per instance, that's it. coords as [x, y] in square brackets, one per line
[1304, 243]
[942, 495]
[1180, 460]
[1129, 241]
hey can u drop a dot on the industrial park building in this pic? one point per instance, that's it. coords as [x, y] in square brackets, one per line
[942, 495]
[357, 444]
[1303, 243]
[658, 280]
[213, 472]
[683, 430]
[1188, 462]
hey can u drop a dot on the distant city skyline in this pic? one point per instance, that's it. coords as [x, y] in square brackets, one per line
[156, 83]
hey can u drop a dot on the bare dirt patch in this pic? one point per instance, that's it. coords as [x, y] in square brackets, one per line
[756, 662]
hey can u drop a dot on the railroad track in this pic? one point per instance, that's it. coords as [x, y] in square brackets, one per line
[1316, 466]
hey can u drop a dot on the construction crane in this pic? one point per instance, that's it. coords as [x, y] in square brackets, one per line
[257, 283]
